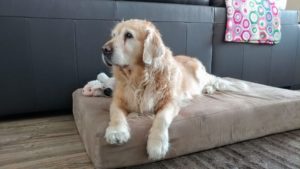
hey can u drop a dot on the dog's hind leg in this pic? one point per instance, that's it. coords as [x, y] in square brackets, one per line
[220, 84]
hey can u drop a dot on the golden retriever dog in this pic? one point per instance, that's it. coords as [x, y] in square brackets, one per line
[149, 79]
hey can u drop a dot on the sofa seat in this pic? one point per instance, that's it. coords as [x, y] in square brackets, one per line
[190, 2]
[209, 121]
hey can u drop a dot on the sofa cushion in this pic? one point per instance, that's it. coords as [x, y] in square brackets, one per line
[191, 2]
[217, 3]
[208, 122]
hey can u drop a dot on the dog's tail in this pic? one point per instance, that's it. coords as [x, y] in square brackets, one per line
[222, 84]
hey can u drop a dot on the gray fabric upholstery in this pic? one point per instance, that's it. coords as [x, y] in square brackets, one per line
[191, 2]
[50, 52]
[209, 121]
[297, 72]
[217, 3]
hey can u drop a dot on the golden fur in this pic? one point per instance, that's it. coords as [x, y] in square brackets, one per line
[149, 79]
[136, 82]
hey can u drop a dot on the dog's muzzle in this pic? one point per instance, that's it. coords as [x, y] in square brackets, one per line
[107, 55]
[106, 61]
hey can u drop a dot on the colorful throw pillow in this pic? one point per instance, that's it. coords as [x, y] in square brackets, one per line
[253, 21]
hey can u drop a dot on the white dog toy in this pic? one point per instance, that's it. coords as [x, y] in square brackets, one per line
[103, 86]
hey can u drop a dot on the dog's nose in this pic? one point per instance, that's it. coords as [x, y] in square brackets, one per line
[107, 51]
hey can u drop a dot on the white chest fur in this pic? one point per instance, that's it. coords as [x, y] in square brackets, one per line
[140, 100]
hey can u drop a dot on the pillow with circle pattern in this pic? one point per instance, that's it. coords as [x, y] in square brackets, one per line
[221, 3]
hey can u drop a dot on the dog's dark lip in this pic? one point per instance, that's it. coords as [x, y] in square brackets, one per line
[106, 61]
[110, 64]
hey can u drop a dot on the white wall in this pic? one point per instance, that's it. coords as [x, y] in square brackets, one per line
[293, 4]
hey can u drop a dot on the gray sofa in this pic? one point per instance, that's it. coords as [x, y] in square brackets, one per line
[49, 48]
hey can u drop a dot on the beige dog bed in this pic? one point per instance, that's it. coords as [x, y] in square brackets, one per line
[208, 122]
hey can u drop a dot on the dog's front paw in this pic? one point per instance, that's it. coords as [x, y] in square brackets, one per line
[117, 134]
[157, 146]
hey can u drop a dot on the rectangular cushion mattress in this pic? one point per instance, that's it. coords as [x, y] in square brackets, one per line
[209, 121]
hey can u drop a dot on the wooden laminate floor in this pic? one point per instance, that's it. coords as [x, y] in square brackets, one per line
[43, 142]
[52, 142]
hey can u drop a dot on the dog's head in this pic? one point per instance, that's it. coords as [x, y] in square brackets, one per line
[133, 42]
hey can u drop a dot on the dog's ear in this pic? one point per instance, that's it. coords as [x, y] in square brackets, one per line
[153, 46]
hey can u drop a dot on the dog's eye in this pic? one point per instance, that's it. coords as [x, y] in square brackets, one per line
[128, 35]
